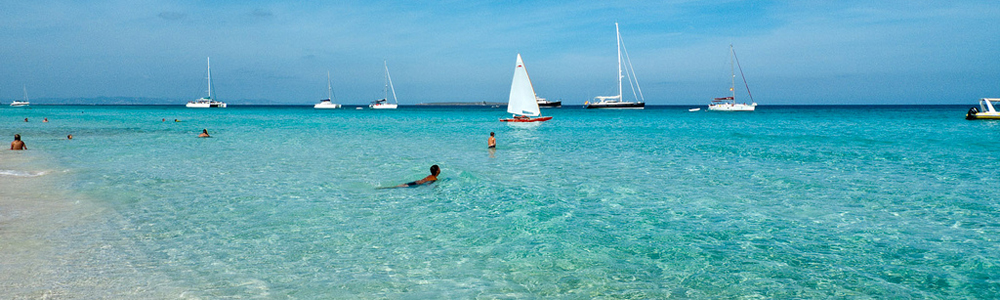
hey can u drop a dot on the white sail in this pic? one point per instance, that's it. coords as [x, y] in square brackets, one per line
[522, 94]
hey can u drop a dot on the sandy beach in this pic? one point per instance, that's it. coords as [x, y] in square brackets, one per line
[55, 244]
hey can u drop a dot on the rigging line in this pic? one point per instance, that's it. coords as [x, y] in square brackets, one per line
[629, 60]
[389, 78]
[744, 77]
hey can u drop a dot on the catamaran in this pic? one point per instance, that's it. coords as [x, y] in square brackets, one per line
[523, 103]
[326, 103]
[206, 102]
[985, 111]
[616, 101]
[21, 103]
[384, 102]
[729, 103]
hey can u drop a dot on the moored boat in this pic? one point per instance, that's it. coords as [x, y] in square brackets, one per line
[985, 111]
[729, 103]
[206, 102]
[22, 103]
[328, 102]
[384, 102]
[542, 102]
[616, 102]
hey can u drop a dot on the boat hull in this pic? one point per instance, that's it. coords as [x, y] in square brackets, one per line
[550, 104]
[18, 104]
[205, 105]
[326, 105]
[732, 107]
[526, 120]
[616, 105]
[383, 106]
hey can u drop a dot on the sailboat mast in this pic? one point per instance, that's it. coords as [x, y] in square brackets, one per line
[25, 93]
[388, 78]
[329, 88]
[732, 70]
[209, 60]
[385, 90]
[619, 37]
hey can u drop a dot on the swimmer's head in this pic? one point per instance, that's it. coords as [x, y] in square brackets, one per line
[435, 170]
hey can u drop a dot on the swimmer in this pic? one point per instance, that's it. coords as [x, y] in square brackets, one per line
[435, 171]
[46, 120]
[492, 142]
[17, 144]
[26, 119]
[69, 137]
[204, 133]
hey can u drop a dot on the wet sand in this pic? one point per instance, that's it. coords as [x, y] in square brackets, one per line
[57, 245]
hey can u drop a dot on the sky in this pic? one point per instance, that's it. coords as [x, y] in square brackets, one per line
[279, 52]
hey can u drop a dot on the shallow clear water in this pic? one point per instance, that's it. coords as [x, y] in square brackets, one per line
[785, 202]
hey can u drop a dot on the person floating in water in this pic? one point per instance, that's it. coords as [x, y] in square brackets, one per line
[17, 144]
[204, 133]
[492, 142]
[69, 137]
[435, 171]
[46, 120]
[25, 119]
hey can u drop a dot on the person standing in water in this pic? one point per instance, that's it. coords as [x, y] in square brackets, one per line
[204, 133]
[492, 142]
[17, 144]
[435, 171]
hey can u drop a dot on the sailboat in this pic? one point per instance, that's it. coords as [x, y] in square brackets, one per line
[522, 102]
[729, 103]
[21, 103]
[206, 102]
[384, 102]
[326, 103]
[616, 101]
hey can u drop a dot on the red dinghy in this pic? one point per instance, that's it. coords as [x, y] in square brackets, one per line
[526, 119]
[523, 104]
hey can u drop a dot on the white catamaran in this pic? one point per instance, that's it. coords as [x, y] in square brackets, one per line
[729, 103]
[523, 103]
[206, 102]
[327, 103]
[21, 103]
[384, 102]
[617, 101]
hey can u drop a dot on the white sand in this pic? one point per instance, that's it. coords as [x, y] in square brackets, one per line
[58, 245]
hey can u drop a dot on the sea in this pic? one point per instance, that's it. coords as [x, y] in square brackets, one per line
[283, 202]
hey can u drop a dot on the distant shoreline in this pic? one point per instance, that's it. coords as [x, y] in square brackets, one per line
[482, 103]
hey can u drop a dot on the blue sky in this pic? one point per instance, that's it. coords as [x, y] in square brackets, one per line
[792, 52]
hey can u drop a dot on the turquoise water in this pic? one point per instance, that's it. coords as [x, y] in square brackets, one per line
[785, 202]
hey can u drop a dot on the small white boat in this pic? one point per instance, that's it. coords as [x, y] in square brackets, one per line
[694, 109]
[729, 103]
[206, 102]
[986, 110]
[22, 103]
[616, 102]
[384, 102]
[523, 103]
[327, 103]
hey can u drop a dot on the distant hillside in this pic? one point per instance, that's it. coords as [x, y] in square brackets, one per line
[132, 101]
